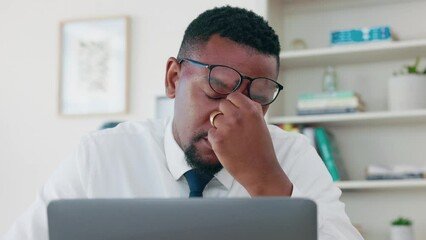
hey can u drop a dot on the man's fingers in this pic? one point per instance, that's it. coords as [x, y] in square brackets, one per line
[239, 100]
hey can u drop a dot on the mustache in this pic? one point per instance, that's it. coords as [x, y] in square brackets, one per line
[199, 136]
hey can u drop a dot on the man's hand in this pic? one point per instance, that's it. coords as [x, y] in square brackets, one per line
[243, 145]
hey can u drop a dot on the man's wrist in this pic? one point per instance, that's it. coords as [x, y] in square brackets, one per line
[272, 185]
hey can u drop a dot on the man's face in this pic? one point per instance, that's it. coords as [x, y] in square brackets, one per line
[188, 84]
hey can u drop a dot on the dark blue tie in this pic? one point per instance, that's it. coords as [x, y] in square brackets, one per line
[197, 182]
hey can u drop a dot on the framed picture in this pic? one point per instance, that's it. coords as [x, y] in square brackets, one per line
[94, 66]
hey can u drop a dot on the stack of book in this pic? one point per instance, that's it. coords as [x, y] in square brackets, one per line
[329, 103]
[388, 172]
[361, 35]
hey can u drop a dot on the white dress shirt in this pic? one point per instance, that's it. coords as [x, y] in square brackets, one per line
[143, 160]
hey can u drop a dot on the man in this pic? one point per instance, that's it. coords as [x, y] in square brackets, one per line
[223, 81]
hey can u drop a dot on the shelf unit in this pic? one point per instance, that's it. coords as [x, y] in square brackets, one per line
[373, 52]
[381, 184]
[376, 136]
[361, 118]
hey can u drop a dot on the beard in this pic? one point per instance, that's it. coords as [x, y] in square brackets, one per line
[196, 161]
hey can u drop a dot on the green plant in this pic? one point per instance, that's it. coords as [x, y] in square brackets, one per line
[401, 221]
[411, 69]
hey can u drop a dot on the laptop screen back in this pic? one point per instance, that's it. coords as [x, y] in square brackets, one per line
[179, 219]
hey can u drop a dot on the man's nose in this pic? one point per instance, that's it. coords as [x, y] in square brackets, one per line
[244, 87]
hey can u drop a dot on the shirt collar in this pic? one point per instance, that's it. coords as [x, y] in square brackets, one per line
[177, 164]
[225, 178]
[174, 155]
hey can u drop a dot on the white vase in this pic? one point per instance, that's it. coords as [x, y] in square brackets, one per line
[407, 92]
[401, 232]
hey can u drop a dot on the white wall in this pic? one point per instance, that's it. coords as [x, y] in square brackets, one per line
[33, 138]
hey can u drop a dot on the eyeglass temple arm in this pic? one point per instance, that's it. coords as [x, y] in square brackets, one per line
[180, 60]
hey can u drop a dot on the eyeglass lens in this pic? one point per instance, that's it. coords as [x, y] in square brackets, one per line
[225, 80]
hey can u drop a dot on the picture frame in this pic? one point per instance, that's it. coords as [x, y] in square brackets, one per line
[94, 66]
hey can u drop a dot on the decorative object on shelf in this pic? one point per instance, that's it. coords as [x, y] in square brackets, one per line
[407, 89]
[329, 103]
[401, 229]
[361, 35]
[298, 44]
[329, 80]
[94, 66]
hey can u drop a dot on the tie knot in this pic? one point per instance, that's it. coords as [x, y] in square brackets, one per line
[197, 182]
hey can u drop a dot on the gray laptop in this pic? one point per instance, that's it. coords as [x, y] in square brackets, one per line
[183, 219]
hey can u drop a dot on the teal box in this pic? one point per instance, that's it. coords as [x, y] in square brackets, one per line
[361, 35]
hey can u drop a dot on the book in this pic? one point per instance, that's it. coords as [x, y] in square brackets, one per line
[388, 172]
[399, 176]
[326, 95]
[324, 149]
[309, 132]
[338, 158]
[329, 103]
[337, 110]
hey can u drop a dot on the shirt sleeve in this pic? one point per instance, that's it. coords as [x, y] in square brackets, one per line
[67, 181]
[311, 180]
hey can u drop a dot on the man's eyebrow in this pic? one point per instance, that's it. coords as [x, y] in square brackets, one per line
[218, 81]
[258, 97]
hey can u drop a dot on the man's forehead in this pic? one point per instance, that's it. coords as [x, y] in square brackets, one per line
[224, 51]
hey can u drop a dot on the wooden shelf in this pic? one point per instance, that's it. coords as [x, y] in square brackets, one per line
[388, 117]
[360, 53]
[381, 184]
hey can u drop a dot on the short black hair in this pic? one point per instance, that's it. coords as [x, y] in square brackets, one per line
[238, 24]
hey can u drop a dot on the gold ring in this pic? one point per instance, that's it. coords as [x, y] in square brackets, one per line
[213, 115]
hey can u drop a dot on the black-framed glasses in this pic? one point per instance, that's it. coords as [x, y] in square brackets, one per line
[225, 80]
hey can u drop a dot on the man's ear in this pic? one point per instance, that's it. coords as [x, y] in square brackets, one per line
[172, 75]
